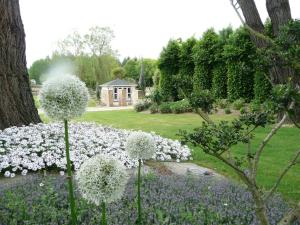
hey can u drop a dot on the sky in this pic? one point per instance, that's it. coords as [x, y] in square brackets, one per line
[142, 27]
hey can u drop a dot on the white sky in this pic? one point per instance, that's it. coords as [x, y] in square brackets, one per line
[141, 27]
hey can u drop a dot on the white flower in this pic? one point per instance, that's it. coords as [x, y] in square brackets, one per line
[7, 174]
[12, 175]
[64, 97]
[140, 145]
[39, 146]
[102, 179]
[62, 173]
[41, 184]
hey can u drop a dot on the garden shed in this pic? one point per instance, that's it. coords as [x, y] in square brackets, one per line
[119, 92]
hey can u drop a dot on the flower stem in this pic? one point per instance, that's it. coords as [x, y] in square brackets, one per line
[69, 177]
[103, 221]
[139, 194]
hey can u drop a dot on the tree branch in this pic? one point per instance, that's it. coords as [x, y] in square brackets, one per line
[287, 168]
[264, 142]
[204, 116]
[254, 32]
[241, 173]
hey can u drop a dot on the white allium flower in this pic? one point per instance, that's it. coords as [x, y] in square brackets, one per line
[7, 174]
[102, 179]
[64, 97]
[140, 145]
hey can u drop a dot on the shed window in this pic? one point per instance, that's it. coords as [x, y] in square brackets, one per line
[115, 94]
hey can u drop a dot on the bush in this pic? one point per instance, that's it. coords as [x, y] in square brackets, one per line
[92, 102]
[222, 103]
[156, 97]
[227, 111]
[142, 106]
[243, 110]
[238, 104]
[219, 82]
[165, 107]
[255, 106]
[153, 108]
[262, 87]
[181, 106]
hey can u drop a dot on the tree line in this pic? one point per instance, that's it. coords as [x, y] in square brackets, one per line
[226, 63]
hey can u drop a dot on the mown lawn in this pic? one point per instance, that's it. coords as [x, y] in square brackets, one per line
[277, 153]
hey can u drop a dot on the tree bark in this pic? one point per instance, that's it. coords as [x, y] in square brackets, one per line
[16, 101]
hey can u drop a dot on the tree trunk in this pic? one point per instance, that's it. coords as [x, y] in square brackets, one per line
[16, 102]
[280, 14]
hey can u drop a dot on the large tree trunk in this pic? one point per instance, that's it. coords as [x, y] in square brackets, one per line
[280, 14]
[16, 102]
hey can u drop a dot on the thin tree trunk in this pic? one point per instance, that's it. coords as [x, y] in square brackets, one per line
[16, 102]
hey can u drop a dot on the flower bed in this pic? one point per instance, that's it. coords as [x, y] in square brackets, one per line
[166, 200]
[40, 146]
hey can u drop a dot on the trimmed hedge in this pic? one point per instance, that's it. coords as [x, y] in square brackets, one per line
[262, 87]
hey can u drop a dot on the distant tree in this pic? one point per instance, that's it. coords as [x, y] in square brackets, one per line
[204, 59]
[219, 82]
[38, 68]
[16, 102]
[72, 45]
[124, 61]
[142, 82]
[241, 56]
[132, 69]
[168, 64]
[118, 72]
[98, 40]
[187, 66]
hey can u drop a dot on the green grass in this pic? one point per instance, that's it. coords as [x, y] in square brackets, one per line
[276, 155]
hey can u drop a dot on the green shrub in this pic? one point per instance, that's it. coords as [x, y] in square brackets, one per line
[219, 82]
[156, 97]
[153, 108]
[142, 106]
[262, 87]
[227, 111]
[165, 107]
[238, 104]
[181, 106]
[243, 110]
[222, 103]
[92, 102]
[255, 106]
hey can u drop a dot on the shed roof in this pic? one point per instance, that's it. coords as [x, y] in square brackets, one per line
[118, 82]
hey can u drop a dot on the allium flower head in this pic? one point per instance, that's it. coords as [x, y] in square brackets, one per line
[64, 97]
[102, 179]
[140, 145]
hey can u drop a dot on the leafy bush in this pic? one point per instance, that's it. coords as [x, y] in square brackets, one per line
[238, 104]
[222, 103]
[262, 87]
[219, 82]
[153, 108]
[156, 97]
[255, 106]
[227, 111]
[243, 110]
[165, 107]
[181, 106]
[142, 106]
[166, 200]
[92, 102]
[202, 99]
